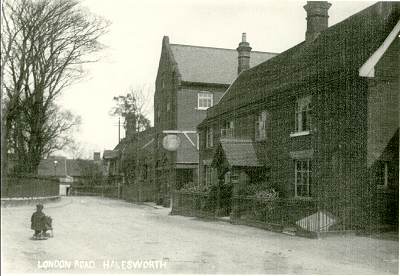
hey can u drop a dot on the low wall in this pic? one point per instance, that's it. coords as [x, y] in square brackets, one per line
[105, 191]
[30, 187]
[139, 192]
[284, 212]
[281, 215]
[192, 204]
[11, 202]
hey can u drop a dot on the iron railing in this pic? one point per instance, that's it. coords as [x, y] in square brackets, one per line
[306, 214]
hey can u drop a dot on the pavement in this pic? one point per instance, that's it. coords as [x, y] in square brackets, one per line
[100, 235]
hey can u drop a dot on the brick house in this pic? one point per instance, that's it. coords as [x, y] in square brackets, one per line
[190, 79]
[318, 121]
[130, 164]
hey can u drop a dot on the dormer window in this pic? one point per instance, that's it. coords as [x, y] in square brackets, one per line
[204, 100]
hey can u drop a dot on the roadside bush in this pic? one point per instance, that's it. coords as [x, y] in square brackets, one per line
[266, 203]
[190, 187]
[262, 189]
[267, 195]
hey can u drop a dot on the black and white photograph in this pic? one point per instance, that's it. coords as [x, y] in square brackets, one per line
[200, 137]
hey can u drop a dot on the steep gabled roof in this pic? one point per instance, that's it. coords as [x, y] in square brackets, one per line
[338, 51]
[211, 65]
[141, 144]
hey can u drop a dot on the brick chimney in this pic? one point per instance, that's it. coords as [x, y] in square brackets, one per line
[130, 125]
[96, 156]
[244, 54]
[317, 18]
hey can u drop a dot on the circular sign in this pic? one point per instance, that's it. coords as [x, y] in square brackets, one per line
[171, 142]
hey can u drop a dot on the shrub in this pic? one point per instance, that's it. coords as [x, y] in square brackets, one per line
[190, 187]
[267, 195]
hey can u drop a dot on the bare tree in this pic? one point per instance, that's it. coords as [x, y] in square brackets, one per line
[9, 34]
[48, 43]
[134, 104]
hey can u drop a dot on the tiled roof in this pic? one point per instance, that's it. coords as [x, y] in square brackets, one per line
[211, 65]
[143, 144]
[241, 153]
[110, 154]
[336, 53]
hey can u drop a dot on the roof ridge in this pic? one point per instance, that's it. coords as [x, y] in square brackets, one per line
[217, 48]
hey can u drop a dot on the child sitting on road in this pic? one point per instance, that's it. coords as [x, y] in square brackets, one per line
[38, 221]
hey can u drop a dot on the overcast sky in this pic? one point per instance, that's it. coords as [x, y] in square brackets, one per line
[134, 46]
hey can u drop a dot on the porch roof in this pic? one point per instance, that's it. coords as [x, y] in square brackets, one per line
[239, 153]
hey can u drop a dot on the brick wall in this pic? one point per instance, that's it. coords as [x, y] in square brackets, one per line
[337, 137]
[383, 134]
[176, 102]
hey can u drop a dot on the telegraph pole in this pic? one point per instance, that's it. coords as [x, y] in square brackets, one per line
[119, 129]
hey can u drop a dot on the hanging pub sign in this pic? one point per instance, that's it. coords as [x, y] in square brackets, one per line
[171, 142]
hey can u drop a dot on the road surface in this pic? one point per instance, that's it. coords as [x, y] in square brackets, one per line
[99, 235]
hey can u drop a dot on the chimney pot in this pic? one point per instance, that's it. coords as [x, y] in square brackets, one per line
[244, 50]
[130, 125]
[317, 18]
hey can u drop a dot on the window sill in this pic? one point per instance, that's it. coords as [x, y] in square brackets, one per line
[201, 108]
[384, 189]
[300, 133]
[303, 198]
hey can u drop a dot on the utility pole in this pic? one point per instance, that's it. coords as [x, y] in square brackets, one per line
[119, 129]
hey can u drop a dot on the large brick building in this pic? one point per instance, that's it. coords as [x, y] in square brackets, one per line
[190, 79]
[320, 120]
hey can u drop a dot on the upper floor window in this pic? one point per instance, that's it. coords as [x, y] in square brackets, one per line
[158, 115]
[303, 114]
[168, 106]
[261, 126]
[209, 137]
[302, 177]
[162, 83]
[382, 176]
[227, 129]
[204, 100]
